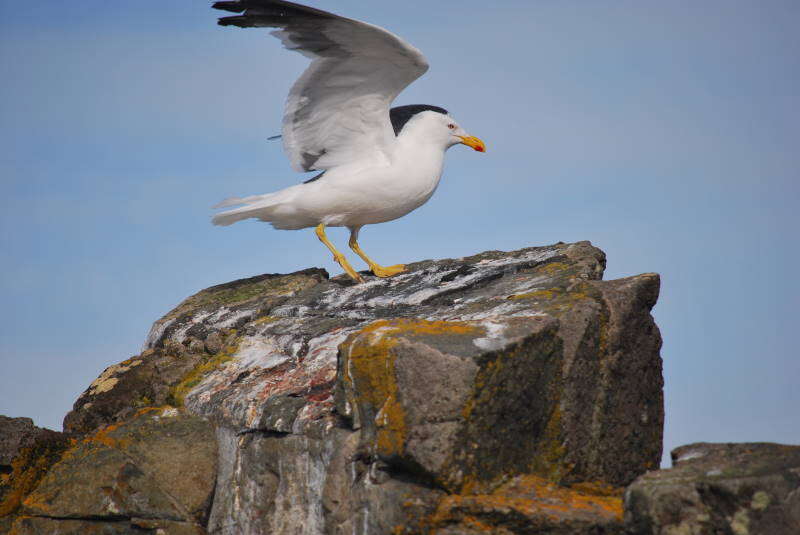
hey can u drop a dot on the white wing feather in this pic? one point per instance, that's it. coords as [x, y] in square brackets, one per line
[337, 112]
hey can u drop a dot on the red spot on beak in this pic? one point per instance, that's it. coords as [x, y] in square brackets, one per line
[480, 149]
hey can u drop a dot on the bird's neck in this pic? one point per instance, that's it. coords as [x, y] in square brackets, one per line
[419, 154]
[416, 143]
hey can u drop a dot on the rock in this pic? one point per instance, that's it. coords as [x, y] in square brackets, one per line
[738, 489]
[530, 504]
[15, 434]
[34, 451]
[498, 388]
[180, 349]
[136, 526]
[160, 465]
[554, 382]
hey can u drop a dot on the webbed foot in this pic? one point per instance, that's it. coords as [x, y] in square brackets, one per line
[389, 271]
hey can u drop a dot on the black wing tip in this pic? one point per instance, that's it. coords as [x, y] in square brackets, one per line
[265, 12]
[239, 20]
[234, 6]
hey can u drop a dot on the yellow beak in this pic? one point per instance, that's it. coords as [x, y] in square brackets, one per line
[473, 142]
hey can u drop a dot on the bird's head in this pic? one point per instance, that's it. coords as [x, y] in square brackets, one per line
[435, 125]
[459, 135]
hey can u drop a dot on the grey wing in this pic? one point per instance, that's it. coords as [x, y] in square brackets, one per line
[337, 112]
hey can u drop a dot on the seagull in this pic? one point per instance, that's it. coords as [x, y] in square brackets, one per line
[377, 163]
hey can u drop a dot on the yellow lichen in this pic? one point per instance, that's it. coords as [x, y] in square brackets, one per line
[370, 369]
[199, 372]
[760, 500]
[550, 460]
[539, 294]
[531, 496]
[417, 326]
[106, 381]
[27, 469]
[98, 387]
[740, 523]
[553, 268]
[370, 373]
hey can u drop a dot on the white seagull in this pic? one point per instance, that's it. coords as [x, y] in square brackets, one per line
[377, 163]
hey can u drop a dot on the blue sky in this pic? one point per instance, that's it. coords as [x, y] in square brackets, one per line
[666, 133]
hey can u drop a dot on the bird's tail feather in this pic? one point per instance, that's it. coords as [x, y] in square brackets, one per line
[233, 201]
[232, 216]
[263, 207]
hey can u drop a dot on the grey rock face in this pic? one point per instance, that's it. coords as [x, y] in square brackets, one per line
[155, 471]
[15, 434]
[27, 453]
[738, 489]
[415, 404]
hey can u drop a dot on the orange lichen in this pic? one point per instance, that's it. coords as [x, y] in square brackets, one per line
[532, 497]
[598, 488]
[145, 410]
[102, 436]
[28, 468]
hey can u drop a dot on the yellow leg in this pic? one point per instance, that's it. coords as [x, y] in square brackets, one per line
[377, 270]
[338, 257]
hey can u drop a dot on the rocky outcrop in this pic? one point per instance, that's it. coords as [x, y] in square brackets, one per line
[738, 489]
[156, 470]
[504, 393]
[15, 434]
[26, 454]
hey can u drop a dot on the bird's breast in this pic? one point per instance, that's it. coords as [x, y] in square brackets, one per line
[394, 191]
[368, 194]
[413, 179]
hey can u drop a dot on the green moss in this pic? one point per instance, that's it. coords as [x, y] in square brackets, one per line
[143, 401]
[210, 364]
[239, 292]
[539, 295]
[498, 440]
[760, 500]
[550, 459]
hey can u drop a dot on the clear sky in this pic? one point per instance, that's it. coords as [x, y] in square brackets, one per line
[664, 132]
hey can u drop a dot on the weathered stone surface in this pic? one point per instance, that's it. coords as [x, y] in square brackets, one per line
[34, 451]
[530, 505]
[403, 405]
[738, 489]
[31, 525]
[15, 434]
[497, 365]
[179, 347]
[550, 389]
[159, 465]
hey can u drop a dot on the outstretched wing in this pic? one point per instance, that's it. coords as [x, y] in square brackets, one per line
[338, 110]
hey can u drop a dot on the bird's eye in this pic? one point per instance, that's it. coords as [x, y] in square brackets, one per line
[451, 126]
